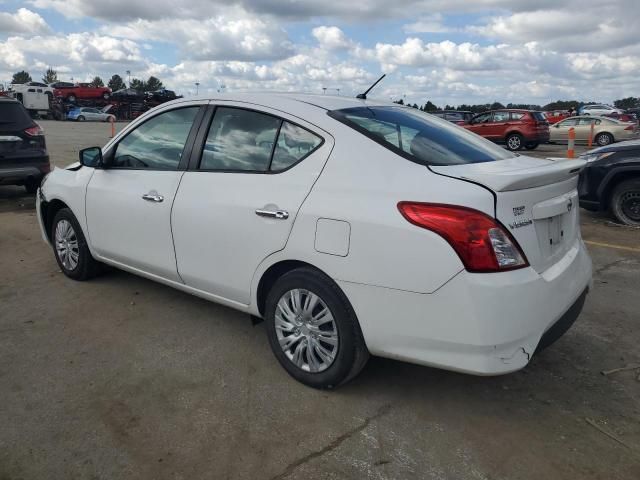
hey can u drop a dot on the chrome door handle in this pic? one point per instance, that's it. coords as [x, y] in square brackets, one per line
[279, 214]
[152, 197]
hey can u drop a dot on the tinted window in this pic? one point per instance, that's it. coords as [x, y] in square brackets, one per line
[568, 123]
[501, 117]
[483, 118]
[420, 137]
[294, 143]
[157, 143]
[239, 140]
[517, 115]
[455, 117]
[539, 116]
[13, 116]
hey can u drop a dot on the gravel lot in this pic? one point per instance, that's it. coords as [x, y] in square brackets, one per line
[123, 378]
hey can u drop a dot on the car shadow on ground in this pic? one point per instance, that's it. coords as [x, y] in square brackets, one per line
[15, 198]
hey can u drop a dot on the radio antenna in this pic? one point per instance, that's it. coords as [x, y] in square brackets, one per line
[363, 96]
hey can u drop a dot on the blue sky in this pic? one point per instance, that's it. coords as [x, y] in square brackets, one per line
[446, 51]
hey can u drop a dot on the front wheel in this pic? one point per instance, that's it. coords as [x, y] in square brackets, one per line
[531, 145]
[105, 96]
[70, 247]
[81, 118]
[313, 330]
[625, 202]
[515, 142]
[71, 98]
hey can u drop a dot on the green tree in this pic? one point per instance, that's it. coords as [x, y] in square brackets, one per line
[399, 102]
[430, 107]
[21, 77]
[138, 84]
[496, 106]
[116, 83]
[96, 82]
[153, 84]
[50, 76]
[626, 103]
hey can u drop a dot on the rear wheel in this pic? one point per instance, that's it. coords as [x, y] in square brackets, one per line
[531, 145]
[81, 118]
[70, 247]
[71, 98]
[604, 139]
[515, 142]
[313, 330]
[625, 202]
[105, 96]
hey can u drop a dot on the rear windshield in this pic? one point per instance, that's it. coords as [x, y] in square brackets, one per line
[420, 137]
[539, 116]
[13, 116]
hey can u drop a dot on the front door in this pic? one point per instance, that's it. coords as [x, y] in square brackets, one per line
[128, 203]
[560, 131]
[237, 203]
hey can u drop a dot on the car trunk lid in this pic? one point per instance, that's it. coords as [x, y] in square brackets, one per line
[536, 200]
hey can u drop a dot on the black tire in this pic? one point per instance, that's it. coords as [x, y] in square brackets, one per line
[531, 145]
[352, 353]
[625, 202]
[87, 267]
[80, 118]
[32, 185]
[71, 98]
[105, 96]
[515, 142]
[604, 139]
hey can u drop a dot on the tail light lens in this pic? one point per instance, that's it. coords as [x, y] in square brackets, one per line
[480, 241]
[34, 131]
[630, 127]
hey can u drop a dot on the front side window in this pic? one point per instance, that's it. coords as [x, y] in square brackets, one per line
[483, 118]
[239, 140]
[420, 137]
[158, 143]
[517, 115]
[568, 123]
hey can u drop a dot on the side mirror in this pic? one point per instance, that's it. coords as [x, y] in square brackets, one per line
[91, 157]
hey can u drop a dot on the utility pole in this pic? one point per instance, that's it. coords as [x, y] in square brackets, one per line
[197, 87]
[129, 77]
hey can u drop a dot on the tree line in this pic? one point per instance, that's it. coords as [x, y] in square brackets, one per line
[623, 103]
[115, 83]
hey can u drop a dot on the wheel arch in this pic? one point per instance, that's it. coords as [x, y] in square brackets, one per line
[48, 211]
[612, 179]
[271, 275]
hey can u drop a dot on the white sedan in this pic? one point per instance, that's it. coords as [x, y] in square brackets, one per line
[352, 227]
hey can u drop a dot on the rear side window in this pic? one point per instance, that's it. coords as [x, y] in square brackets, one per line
[420, 137]
[13, 116]
[539, 116]
[294, 143]
[248, 141]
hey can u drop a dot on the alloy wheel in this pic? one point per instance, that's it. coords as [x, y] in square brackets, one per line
[306, 330]
[67, 246]
[514, 142]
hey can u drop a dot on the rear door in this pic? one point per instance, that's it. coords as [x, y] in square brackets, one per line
[583, 128]
[237, 202]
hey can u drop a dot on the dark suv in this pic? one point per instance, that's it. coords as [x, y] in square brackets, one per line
[611, 181]
[516, 128]
[23, 153]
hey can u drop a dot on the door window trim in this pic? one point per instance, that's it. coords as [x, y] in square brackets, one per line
[203, 133]
[188, 145]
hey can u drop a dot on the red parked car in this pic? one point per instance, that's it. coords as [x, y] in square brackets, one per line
[516, 128]
[82, 91]
[555, 116]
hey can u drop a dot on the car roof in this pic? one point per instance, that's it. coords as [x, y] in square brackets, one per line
[275, 100]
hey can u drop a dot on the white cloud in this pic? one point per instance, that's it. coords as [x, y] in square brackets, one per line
[218, 38]
[21, 22]
[428, 24]
[331, 38]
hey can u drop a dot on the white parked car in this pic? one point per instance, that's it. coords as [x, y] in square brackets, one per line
[600, 109]
[352, 227]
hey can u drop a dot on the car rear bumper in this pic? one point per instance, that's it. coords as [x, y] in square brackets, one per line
[485, 324]
[15, 174]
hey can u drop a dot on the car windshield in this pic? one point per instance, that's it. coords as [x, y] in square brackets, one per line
[420, 137]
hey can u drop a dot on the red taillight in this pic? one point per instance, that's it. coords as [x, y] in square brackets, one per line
[630, 127]
[480, 241]
[34, 131]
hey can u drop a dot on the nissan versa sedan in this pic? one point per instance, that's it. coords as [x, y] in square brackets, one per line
[352, 227]
[605, 130]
